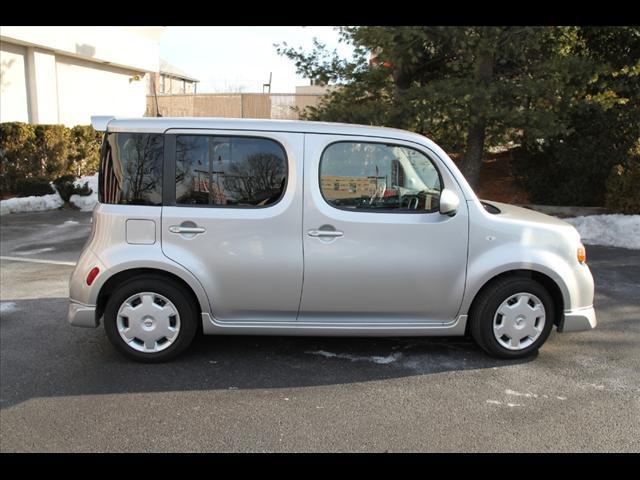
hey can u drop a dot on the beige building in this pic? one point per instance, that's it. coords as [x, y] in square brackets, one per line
[170, 80]
[350, 187]
[67, 74]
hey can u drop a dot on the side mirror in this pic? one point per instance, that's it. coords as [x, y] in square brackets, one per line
[449, 202]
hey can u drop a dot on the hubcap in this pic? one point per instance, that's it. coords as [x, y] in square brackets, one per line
[519, 321]
[148, 322]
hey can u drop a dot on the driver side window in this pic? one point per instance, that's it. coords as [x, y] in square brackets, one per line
[367, 176]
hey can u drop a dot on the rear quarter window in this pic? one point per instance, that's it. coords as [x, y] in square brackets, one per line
[131, 169]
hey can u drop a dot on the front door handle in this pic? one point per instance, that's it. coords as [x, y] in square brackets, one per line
[180, 229]
[324, 233]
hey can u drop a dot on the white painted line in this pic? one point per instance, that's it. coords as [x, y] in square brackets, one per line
[34, 260]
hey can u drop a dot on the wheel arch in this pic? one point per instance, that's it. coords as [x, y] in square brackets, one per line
[547, 282]
[111, 284]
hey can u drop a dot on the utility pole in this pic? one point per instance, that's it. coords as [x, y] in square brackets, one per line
[268, 85]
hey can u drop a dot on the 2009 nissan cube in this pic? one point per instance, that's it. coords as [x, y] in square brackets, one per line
[304, 228]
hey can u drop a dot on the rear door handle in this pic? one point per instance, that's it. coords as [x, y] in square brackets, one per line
[179, 229]
[324, 233]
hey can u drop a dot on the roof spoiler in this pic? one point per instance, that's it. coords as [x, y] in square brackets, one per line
[101, 122]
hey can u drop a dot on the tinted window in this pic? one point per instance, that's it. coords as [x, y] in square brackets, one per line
[229, 171]
[379, 177]
[131, 169]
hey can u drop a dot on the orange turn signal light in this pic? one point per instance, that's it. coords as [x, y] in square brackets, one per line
[582, 255]
[93, 273]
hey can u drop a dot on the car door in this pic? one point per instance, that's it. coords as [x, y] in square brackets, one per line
[376, 248]
[232, 217]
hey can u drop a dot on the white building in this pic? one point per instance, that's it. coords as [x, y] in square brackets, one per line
[67, 74]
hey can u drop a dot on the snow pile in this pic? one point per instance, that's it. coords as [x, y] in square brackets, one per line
[31, 204]
[87, 202]
[53, 200]
[7, 307]
[610, 230]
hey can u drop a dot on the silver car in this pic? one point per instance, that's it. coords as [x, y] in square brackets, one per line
[304, 228]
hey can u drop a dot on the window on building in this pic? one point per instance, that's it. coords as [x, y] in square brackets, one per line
[131, 169]
[380, 177]
[229, 171]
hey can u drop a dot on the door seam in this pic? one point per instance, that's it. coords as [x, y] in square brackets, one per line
[302, 179]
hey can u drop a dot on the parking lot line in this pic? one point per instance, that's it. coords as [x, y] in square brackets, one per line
[35, 260]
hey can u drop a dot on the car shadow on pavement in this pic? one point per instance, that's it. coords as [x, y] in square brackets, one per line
[41, 355]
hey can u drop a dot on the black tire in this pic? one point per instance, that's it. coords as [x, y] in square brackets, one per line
[183, 302]
[485, 307]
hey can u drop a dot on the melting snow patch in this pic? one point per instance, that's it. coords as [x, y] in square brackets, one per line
[30, 204]
[611, 230]
[7, 307]
[354, 358]
[518, 394]
[36, 251]
[87, 202]
[70, 222]
[510, 405]
[52, 201]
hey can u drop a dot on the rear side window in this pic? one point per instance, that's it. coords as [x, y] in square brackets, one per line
[379, 177]
[229, 171]
[131, 169]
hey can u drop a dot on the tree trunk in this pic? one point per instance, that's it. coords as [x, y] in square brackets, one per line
[476, 133]
[472, 159]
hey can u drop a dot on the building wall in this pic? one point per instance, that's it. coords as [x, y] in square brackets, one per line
[165, 84]
[13, 83]
[241, 105]
[67, 74]
[84, 90]
[347, 187]
[174, 85]
[130, 47]
[313, 89]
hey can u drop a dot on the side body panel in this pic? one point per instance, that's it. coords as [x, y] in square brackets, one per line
[387, 268]
[249, 260]
[108, 249]
[501, 243]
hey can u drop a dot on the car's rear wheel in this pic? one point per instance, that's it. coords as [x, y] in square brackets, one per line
[149, 319]
[512, 317]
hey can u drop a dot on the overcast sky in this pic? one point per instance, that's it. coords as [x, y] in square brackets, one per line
[240, 58]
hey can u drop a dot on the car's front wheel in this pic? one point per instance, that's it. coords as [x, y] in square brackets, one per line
[149, 319]
[512, 317]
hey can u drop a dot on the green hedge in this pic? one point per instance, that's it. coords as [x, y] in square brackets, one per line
[572, 169]
[36, 186]
[623, 187]
[49, 151]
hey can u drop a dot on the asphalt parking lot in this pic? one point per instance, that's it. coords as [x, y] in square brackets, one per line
[66, 389]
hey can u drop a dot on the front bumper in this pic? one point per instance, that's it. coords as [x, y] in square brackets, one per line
[578, 320]
[81, 315]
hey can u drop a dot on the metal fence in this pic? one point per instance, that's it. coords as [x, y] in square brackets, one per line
[241, 105]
